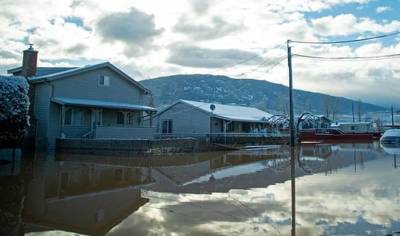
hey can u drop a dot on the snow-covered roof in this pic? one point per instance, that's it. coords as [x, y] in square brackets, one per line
[391, 133]
[336, 124]
[101, 104]
[228, 112]
[40, 71]
[73, 71]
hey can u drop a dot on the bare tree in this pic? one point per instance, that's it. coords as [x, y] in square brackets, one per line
[330, 106]
[359, 110]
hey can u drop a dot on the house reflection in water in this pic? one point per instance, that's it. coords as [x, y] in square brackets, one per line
[83, 198]
[229, 191]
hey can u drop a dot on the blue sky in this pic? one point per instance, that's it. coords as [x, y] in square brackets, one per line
[151, 38]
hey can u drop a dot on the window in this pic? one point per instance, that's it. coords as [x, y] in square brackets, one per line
[104, 80]
[166, 126]
[68, 116]
[120, 118]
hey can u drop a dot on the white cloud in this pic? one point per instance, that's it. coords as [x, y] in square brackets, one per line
[146, 38]
[382, 9]
[347, 24]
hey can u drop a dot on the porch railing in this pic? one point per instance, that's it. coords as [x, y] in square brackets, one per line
[220, 135]
[124, 132]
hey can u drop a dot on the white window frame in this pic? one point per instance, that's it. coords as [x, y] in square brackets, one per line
[104, 81]
[169, 128]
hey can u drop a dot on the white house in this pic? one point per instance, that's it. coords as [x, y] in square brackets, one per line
[199, 119]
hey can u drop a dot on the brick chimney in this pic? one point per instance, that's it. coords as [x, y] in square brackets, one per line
[29, 62]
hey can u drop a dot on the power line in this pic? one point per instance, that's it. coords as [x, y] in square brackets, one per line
[263, 64]
[345, 41]
[380, 57]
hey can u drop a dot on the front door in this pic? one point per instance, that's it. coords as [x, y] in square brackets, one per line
[97, 118]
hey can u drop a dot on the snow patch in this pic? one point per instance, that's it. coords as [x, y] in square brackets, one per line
[14, 108]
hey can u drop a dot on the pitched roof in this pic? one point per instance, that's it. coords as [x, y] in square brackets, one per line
[77, 70]
[101, 104]
[40, 71]
[351, 123]
[228, 112]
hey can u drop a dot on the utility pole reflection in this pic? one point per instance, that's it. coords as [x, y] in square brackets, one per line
[293, 187]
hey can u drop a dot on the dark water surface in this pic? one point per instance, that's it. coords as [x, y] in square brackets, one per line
[341, 189]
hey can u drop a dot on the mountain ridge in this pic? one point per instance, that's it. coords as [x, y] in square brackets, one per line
[265, 95]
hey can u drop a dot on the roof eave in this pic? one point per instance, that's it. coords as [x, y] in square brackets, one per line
[13, 70]
[49, 77]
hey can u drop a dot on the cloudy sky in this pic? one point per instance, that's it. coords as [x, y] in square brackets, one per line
[241, 39]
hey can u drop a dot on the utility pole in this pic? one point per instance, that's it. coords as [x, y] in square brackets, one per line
[292, 139]
[359, 111]
[352, 110]
[291, 112]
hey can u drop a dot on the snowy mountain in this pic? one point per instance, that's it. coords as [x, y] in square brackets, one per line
[261, 94]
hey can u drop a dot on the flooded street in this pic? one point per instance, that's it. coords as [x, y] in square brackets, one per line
[341, 189]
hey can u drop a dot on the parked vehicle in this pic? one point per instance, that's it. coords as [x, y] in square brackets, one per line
[391, 136]
[333, 135]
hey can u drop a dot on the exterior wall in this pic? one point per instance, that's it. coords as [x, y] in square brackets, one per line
[217, 125]
[54, 125]
[41, 113]
[104, 132]
[187, 121]
[86, 86]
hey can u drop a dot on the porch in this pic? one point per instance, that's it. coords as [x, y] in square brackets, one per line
[91, 119]
[217, 129]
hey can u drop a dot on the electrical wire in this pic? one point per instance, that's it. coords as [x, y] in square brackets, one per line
[345, 41]
[263, 64]
[380, 57]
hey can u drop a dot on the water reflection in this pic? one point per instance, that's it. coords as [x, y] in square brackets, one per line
[392, 149]
[341, 189]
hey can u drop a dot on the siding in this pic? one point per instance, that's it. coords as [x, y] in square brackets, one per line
[41, 113]
[54, 125]
[85, 86]
[72, 131]
[217, 125]
[186, 120]
[124, 133]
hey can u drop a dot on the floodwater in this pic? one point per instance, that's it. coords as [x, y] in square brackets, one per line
[340, 189]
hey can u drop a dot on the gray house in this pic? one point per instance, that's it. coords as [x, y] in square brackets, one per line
[200, 119]
[97, 101]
